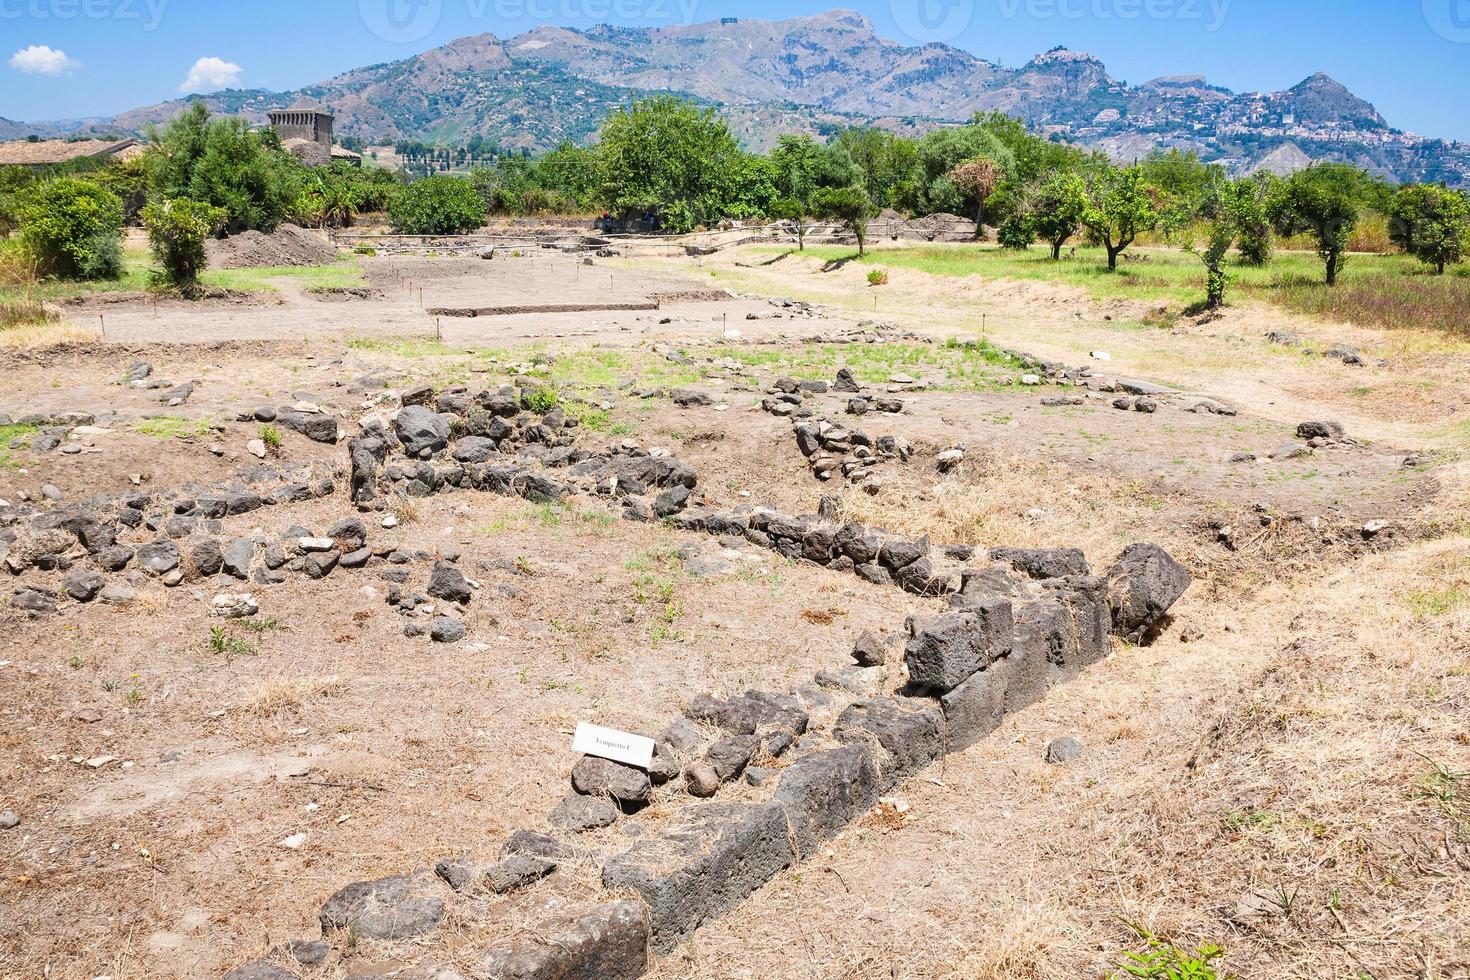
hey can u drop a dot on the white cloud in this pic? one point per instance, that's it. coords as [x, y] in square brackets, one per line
[211, 74]
[38, 59]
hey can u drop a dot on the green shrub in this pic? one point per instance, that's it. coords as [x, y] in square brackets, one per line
[176, 233]
[437, 206]
[1163, 962]
[539, 399]
[73, 228]
[1016, 232]
[878, 277]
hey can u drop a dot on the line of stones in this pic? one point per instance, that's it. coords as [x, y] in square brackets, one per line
[967, 668]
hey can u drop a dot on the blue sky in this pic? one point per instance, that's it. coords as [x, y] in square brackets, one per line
[76, 58]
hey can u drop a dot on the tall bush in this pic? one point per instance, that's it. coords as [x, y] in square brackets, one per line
[177, 230]
[73, 228]
[437, 206]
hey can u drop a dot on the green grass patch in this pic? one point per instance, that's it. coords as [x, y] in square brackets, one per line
[170, 427]
[401, 346]
[136, 272]
[1436, 602]
[344, 272]
[15, 435]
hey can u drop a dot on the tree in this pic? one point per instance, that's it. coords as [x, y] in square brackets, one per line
[1016, 232]
[790, 209]
[72, 228]
[798, 164]
[1056, 209]
[669, 159]
[570, 170]
[1253, 220]
[176, 233]
[1325, 200]
[1119, 206]
[848, 206]
[437, 206]
[888, 164]
[1226, 207]
[977, 178]
[225, 163]
[1186, 186]
[941, 151]
[1432, 224]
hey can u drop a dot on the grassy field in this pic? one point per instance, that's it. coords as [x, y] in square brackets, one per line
[138, 269]
[1375, 290]
[344, 272]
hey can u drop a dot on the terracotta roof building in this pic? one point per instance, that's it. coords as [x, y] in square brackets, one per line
[45, 153]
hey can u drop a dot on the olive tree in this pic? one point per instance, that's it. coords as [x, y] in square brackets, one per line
[1432, 224]
[1119, 205]
[848, 206]
[1325, 200]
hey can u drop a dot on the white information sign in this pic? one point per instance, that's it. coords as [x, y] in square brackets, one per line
[609, 743]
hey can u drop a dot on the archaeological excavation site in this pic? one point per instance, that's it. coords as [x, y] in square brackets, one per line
[942, 627]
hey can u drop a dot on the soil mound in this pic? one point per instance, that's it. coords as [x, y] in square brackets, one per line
[288, 245]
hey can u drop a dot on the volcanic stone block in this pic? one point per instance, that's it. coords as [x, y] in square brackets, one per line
[822, 793]
[388, 908]
[605, 942]
[747, 713]
[729, 755]
[593, 776]
[517, 871]
[1086, 598]
[260, 970]
[1025, 668]
[420, 430]
[1142, 586]
[975, 708]
[1042, 563]
[898, 552]
[951, 647]
[708, 859]
[910, 730]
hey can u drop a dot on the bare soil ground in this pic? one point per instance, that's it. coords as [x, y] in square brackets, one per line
[1283, 773]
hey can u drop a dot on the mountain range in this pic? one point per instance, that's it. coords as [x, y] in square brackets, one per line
[815, 74]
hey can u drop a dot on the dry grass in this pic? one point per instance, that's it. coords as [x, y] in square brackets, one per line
[288, 693]
[407, 509]
[1388, 302]
[1028, 946]
[978, 505]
